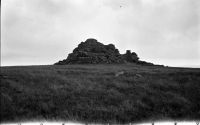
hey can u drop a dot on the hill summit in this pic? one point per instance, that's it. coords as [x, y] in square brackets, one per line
[93, 52]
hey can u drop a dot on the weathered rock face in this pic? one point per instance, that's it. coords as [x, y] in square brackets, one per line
[130, 57]
[93, 52]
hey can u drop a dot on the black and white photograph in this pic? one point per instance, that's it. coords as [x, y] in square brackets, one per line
[100, 62]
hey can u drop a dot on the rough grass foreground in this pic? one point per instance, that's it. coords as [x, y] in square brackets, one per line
[76, 123]
[94, 93]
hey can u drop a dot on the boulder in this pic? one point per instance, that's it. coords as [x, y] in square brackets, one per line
[130, 57]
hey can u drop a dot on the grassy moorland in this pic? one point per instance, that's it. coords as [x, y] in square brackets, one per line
[92, 93]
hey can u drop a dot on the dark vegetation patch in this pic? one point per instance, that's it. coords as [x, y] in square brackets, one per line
[92, 93]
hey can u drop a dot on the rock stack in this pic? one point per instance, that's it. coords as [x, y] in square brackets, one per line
[93, 52]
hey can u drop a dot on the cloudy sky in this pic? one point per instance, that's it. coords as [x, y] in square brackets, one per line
[37, 32]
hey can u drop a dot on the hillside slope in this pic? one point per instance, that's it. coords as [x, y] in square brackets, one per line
[117, 93]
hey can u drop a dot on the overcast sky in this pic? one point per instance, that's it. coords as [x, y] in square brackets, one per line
[37, 32]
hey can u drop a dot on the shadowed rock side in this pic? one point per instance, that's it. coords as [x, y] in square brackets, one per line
[93, 52]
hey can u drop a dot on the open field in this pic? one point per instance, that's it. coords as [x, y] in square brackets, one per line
[95, 93]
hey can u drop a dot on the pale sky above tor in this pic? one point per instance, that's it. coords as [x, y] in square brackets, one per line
[40, 32]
